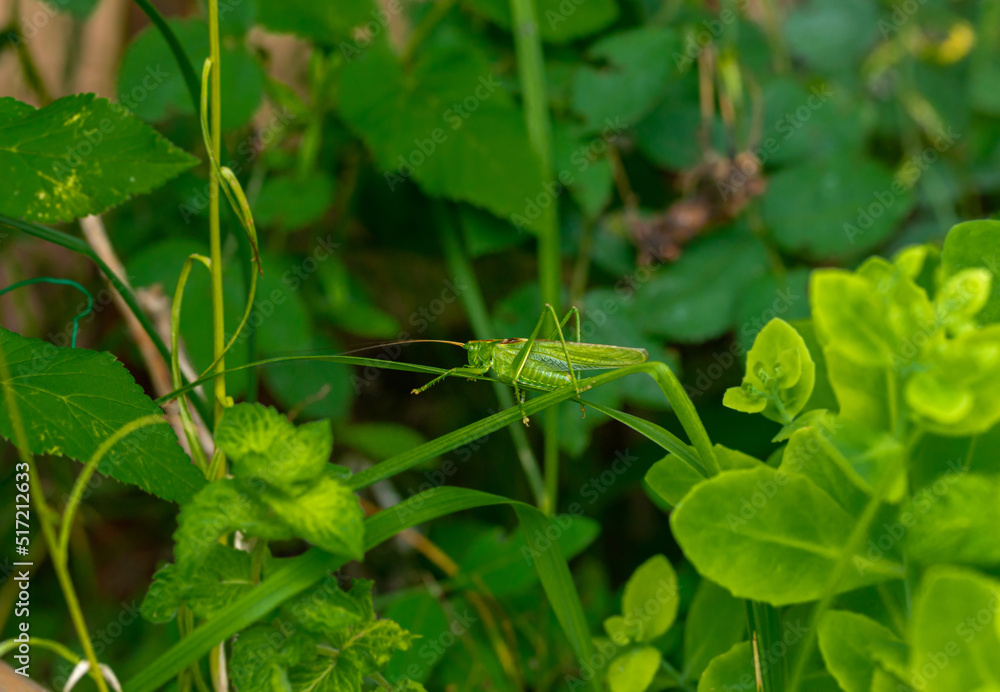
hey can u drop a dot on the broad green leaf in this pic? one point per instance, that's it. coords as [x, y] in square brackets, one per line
[953, 632]
[853, 646]
[861, 391]
[831, 35]
[694, 299]
[833, 450]
[224, 577]
[290, 203]
[633, 671]
[770, 536]
[850, 318]
[650, 601]
[808, 121]
[672, 478]
[324, 609]
[635, 78]
[218, 509]
[972, 245]
[835, 208]
[715, 622]
[327, 515]
[151, 86]
[72, 399]
[262, 655]
[263, 445]
[963, 295]
[582, 166]
[780, 374]
[79, 155]
[953, 520]
[956, 393]
[558, 21]
[450, 125]
[733, 669]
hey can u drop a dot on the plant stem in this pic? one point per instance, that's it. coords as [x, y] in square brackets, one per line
[48, 520]
[854, 541]
[475, 306]
[215, 234]
[531, 72]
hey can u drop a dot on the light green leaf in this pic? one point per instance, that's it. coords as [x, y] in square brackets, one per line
[770, 536]
[953, 632]
[327, 515]
[263, 445]
[731, 670]
[79, 155]
[72, 399]
[672, 478]
[854, 645]
[634, 671]
[650, 601]
[325, 608]
[450, 124]
[956, 525]
[218, 509]
[849, 317]
[780, 374]
[974, 245]
[262, 655]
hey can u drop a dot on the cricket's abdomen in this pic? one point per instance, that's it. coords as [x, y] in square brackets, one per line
[534, 373]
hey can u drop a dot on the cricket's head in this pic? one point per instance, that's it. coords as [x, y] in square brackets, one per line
[480, 353]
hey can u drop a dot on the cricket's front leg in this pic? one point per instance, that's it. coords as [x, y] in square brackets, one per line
[519, 398]
[466, 370]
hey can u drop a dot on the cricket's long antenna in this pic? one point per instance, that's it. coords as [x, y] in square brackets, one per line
[388, 343]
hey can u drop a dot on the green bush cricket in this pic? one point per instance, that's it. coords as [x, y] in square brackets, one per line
[540, 363]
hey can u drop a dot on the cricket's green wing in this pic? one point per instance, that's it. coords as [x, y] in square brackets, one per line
[584, 356]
